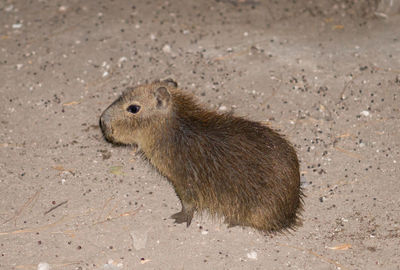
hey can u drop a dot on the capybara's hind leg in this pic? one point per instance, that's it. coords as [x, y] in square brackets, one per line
[185, 215]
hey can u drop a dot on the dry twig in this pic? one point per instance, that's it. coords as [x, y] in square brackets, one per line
[29, 230]
[232, 55]
[350, 154]
[104, 207]
[342, 96]
[309, 251]
[55, 207]
[130, 213]
[19, 212]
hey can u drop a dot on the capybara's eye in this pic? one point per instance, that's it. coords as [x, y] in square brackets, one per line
[133, 108]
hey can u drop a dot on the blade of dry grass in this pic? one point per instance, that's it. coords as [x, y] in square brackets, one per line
[309, 251]
[19, 212]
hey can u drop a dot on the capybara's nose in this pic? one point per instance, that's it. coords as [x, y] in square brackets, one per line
[101, 124]
[104, 119]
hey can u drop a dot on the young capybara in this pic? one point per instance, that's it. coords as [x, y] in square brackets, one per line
[231, 167]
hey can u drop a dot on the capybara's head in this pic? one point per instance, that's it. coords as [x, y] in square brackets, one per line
[129, 118]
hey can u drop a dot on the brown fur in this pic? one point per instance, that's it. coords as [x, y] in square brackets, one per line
[232, 167]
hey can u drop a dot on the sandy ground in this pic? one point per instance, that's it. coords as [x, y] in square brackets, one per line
[325, 73]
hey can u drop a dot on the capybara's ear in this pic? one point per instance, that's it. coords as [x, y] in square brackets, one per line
[170, 82]
[163, 97]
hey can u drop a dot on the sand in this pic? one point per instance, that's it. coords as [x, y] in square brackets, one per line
[324, 73]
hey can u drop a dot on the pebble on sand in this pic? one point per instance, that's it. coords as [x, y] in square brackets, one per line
[365, 113]
[43, 266]
[252, 255]
[222, 108]
[166, 48]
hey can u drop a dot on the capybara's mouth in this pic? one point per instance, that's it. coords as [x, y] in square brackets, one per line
[110, 139]
[107, 132]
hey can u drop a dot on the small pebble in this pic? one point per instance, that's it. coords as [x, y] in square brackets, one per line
[222, 108]
[252, 255]
[43, 266]
[111, 265]
[17, 25]
[365, 113]
[166, 48]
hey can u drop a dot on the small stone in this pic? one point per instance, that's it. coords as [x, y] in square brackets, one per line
[122, 59]
[111, 265]
[166, 48]
[252, 255]
[17, 25]
[222, 108]
[43, 266]
[365, 113]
